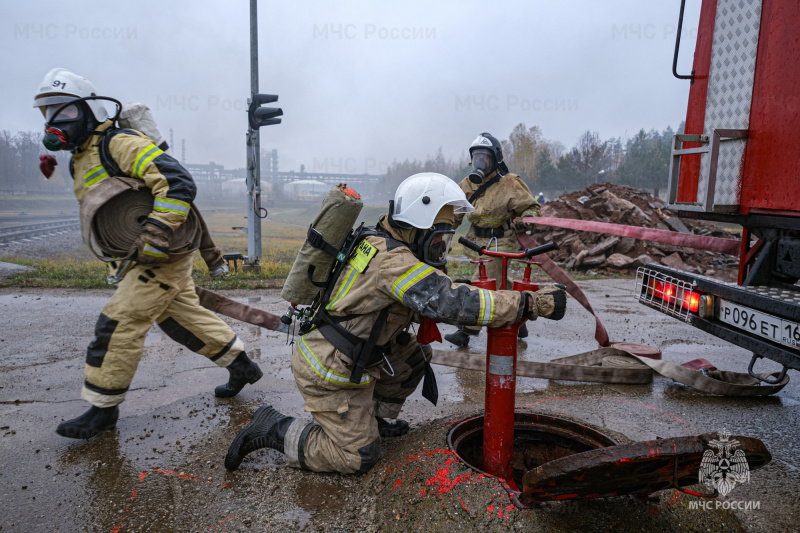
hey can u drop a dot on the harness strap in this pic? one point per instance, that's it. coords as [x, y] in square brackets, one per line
[482, 189]
[316, 240]
[363, 354]
[367, 352]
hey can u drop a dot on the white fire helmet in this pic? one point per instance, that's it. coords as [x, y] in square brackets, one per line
[60, 86]
[419, 198]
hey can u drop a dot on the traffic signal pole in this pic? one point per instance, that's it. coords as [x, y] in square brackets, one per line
[253, 260]
[257, 116]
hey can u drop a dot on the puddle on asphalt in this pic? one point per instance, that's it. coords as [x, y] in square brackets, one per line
[298, 516]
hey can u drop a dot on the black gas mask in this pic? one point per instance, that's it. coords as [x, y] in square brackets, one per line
[433, 245]
[483, 164]
[67, 125]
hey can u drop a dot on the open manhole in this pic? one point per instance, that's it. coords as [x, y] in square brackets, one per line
[558, 459]
[538, 439]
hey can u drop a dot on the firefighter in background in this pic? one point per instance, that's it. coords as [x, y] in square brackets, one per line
[393, 274]
[154, 289]
[498, 196]
[540, 199]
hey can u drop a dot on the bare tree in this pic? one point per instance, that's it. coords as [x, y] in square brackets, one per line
[591, 158]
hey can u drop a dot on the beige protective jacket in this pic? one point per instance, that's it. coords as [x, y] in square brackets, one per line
[494, 209]
[137, 157]
[385, 273]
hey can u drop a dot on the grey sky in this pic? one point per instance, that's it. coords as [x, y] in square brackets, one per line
[360, 83]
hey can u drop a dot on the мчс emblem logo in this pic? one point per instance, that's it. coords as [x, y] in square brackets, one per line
[725, 468]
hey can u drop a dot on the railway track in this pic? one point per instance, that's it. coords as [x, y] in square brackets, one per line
[18, 233]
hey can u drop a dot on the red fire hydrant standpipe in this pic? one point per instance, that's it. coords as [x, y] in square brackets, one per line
[501, 366]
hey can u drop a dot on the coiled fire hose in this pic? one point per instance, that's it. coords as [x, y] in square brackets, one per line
[114, 213]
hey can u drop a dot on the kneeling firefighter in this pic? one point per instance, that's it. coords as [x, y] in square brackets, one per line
[157, 289]
[360, 362]
[501, 200]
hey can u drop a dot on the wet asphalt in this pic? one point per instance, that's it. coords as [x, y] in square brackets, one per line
[161, 469]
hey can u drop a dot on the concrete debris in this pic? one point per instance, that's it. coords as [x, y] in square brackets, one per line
[620, 204]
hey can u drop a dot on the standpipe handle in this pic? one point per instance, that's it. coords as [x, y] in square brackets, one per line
[471, 245]
[531, 252]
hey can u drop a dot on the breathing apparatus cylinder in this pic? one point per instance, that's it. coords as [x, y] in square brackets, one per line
[336, 217]
[137, 116]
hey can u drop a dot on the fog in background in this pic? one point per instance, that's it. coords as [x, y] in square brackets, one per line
[361, 84]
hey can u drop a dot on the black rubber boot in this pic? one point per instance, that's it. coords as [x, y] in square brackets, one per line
[523, 331]
[90, 423]
[459, 337]
[267, 429]
[242, 371]
[395, 428]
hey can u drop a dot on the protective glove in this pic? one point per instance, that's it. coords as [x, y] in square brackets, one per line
[152, 245]
[520, 225]
[549, 302]
[47, 165]
[215, 261]
[219, 270]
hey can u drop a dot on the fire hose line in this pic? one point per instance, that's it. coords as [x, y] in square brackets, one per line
[612, 365]
[688, 240]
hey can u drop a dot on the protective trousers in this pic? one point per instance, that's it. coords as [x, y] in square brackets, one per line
[344, 435]
[164, 294]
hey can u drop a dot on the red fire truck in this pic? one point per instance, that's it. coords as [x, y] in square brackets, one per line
[739, 162]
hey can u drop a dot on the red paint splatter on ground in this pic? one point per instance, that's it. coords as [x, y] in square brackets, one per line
[396, 483]
[172, 473]
[133, 496]
[674, 499]
[183, 475]
[444, 483]
[422, 493]
[462, 503]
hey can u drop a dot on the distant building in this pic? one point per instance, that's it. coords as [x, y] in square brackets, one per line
[235, 188]
[305, 190]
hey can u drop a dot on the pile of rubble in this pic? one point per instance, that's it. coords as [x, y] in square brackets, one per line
[620, 204]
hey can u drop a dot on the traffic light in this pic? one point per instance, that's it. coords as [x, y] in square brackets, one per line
[263, 116]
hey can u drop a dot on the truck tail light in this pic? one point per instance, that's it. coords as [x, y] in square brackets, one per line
[672, 293]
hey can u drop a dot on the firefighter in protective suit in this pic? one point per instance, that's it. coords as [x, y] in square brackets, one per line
[391, 277]
[154, 290]
[498, 196]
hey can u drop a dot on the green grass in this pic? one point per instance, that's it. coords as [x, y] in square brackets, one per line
[283, 233]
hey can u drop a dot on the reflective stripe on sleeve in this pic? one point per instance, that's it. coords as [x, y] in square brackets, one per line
[144, 157]
[485, 219]
[152, 251]
[486, 313]
[94, 175]
[345, 288]
[411, 276]
[170, 205]
[325, 373]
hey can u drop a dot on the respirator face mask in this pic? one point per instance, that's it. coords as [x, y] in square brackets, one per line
[482, 165]
[65, 126]
[436, 245]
